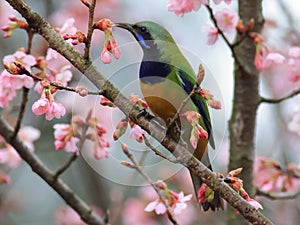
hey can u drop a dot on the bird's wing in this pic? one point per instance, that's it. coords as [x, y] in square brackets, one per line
[187, 81]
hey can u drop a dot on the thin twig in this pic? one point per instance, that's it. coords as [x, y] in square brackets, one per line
[21, 112]
[90, 29]
[278, 196]
[231, 46]
[276, 101]
[59, 86]
[137, 167]
[158, 152]
[182, 105]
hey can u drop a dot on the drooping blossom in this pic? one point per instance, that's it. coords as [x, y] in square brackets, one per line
[176, 201]
[180, 7]
[212, 34]
[209, 97]
[47, 104]
[110, 46]
[227, 20]
[28, 135]
[97, 136]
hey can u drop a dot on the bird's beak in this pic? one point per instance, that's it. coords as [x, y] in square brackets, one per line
[125, 26]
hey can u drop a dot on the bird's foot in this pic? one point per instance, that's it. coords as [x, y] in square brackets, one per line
[143, 112]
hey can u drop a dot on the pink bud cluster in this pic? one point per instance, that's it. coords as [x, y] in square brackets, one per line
[198, 132]
[13, 25]
[110, 44]
[211, 101]
[76, 38]
[270, 176]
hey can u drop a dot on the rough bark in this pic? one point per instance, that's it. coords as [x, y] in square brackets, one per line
[245, 102]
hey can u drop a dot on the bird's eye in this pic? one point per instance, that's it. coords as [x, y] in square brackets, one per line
[143, 29]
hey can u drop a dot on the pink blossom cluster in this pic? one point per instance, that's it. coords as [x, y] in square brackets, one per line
[270, 176]
[110, 44]
[180, 7]
[67, 136]
[198, 131]
[136, 132]
[9, 156]
[227, 21]
[13, 25]
[176, 201]
[211, 101]
[10, 83]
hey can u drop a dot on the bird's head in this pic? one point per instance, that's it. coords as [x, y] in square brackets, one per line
[147, 33]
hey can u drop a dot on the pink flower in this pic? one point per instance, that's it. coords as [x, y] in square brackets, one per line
[55, 110]
[180, 7]
[214, 103]
[205, 194]
[99, 148]
[41, 106]
[136, 100]
[26, 60]
[272, 57]
[64, 75]
[28, 135]
[217, 2]
[212, 34]
[68, 27]
[294, 52]
[192, 116]
[227, 20]
[105, 56]
[137, 133]
[9, 156]
[65, 138]
[175, 200]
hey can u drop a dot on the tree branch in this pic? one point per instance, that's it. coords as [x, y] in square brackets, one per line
[58, 185]
[90, 29]
[278, 196]
[276, 101]
[110, 92]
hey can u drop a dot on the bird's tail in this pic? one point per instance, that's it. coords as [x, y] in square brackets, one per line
[214, 204]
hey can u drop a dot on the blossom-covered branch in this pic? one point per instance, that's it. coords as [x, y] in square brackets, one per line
[47, 175]
[183, 155]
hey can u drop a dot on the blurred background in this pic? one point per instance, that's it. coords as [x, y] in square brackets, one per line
[105, 184]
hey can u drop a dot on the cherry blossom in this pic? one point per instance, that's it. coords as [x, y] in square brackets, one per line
[66, 138]
[55, 110]
[41, 106]
[212, 34]
[136, 100]
[137, 133]
[180, 7]
[176, 201]
[28, 135]
[21, 57]
[211, 101]
[227, 20]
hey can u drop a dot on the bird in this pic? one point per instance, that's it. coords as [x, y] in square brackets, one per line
[166, 78]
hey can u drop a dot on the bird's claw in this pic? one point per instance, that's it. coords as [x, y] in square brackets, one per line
[143, 112]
